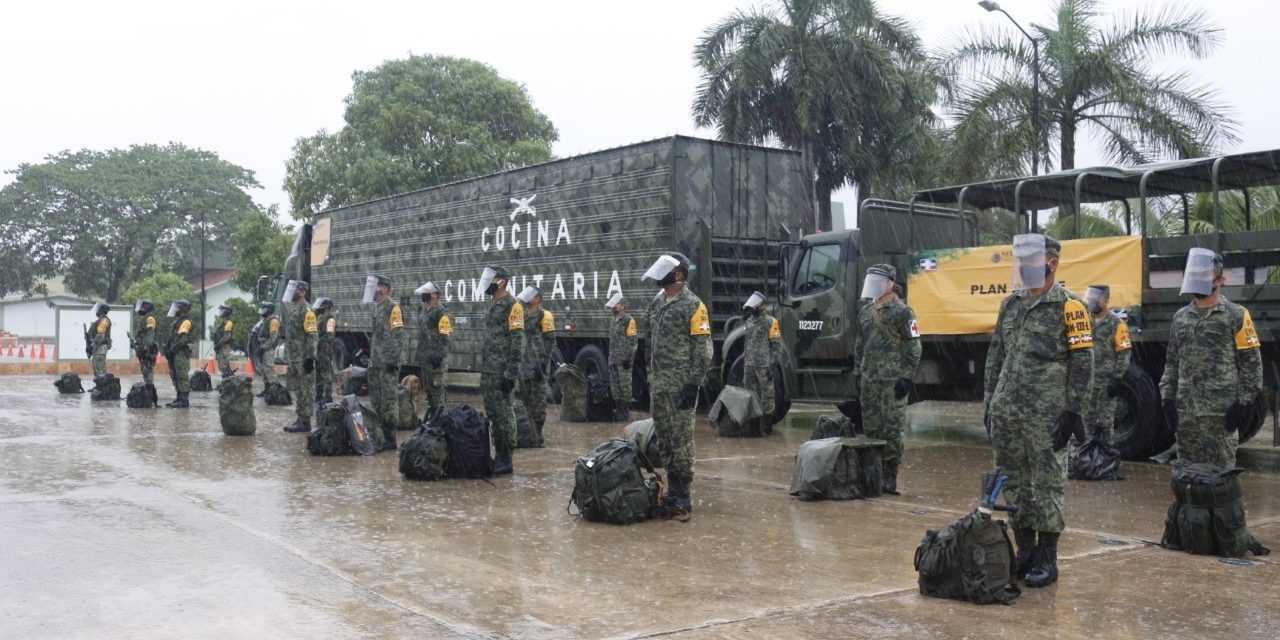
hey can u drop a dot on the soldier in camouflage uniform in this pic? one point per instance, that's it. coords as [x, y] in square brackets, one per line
[434, 330]
[885, 360]
[539, 342]
[1213, 367]
[623, 340]
[1038, 375]
[268, 340]
[327, 327]
[384, 358]
[762, 351]
[679, 354]
[1111, 348]
[301, 337]
[500, 363]
[178, 352]
[222, 326]
[144, 346]
[101, 338]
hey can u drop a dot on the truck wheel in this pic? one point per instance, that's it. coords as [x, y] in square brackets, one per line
[1259, 416]
[591, 360]
[781, 405]
[553, 387]
[1139, 424]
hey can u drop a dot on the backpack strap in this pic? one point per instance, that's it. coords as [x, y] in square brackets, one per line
[884, 327]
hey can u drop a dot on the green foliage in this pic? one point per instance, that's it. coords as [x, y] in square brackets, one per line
[260, 246]
[162, 289]
[846, 85]
[102, 217]
[416, 123]
[243, 317]
[1096, 76]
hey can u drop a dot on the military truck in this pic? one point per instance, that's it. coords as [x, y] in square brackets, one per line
[955, 285]
[579, 228]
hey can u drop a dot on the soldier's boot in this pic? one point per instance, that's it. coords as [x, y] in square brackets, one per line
[155, 397]
[620, 412]
[502, 461]
[677, 501]
[1045, 571]
[301, 425]
[388, 437]
[1025, 539]
[180, 403]
[538, 430]
[890, 484]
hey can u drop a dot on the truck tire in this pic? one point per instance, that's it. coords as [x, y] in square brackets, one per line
[1139, 424]
[591, 360]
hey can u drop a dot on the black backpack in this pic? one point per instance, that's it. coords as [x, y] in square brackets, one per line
[277, 395]
[68, 382]
[839, 469]
[364, 428]
[425, 455]
[468, 434]
[1094, 460]
[526, 431]
[971, 559]
[105, 387]
[200, 381]
[609, 484]
[329, 438]
[599, 399]
[139, 396]
[235, 406]
[1207, 514]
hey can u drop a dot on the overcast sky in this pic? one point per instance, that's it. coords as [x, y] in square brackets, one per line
[246, 78]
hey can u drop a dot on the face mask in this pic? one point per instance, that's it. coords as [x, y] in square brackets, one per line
[758, 311]
[1095, 308]
[1032, 273]
[670, 278]
[491, 289]
[426, 297]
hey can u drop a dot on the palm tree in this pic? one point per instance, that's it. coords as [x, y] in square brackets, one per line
[1096, 76]
[847, 86]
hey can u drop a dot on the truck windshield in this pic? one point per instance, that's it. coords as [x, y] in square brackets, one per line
[816, 270]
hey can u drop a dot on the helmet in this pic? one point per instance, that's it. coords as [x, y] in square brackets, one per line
[266, 309]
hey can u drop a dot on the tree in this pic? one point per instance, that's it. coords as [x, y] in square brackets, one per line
[260, 246]
[1094, 76]
[416, 123]
[162, 289]
[101, 217]
[848, 87]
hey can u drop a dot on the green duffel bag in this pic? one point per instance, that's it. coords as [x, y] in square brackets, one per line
[425, 454]
[408, 409]
[235, 406]
[609, 484]
[573, 393]
[1207, 515]
[737, 414]
[645, 435]
[832, 426]
[838, 469]
[971, 559]
[68, 382]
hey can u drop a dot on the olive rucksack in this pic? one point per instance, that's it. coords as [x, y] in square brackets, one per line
[105, 387]
[609, 484]
[1207, 514]
[839, 469]
[68, 382]
[737, 414]
[526, 431]
[833, 426]
[573, 393]
[408, 409]
[235, 406]
[139, 396]
[200, 380]
[467, 432]
[329, 438]
[276, 395]
[971, 559]
[645, 435]
[425, 455]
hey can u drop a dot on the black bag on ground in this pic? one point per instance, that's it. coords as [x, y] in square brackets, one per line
[1094, 460]
[971, 560]
[235, 406]
[425, 454]
[68, 382]
[526, 431]
[105, 387]
[200, 381]
[839, 469]
[354, 381]
[363, 427]
[645, 435]
[832, 426]
[329, 438]
[736, 414]
[139, 396]
[1207, 514]
[599, 399]
[609, 484]
[468, 434]
[276, 395]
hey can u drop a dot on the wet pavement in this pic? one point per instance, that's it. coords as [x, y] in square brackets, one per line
[131, 523]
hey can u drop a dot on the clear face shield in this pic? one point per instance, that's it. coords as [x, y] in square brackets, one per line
[140, 306]
[1029, 260]
[370, 290]
[486, 279]
[98, 307]
[289, 291]
[661, 268]
[173, 310]
[754, 301]
[613, 300]
[527, 295]
[875, 285]
[1095, 299]
[1198, 277]
[320, 304]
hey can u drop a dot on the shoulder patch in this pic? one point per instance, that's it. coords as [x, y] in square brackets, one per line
[275, 325]
[631, 327]
[1077, 325]
[184, 327]
[548, 323]
[1247, 336]
[230, 325]
[1122, 340]
[397, 318]
[103, 325]
[775, 331]
[515, 318]
[309, 322]
[445, 326]
[151, 322]
[331, 325]
[700, 322]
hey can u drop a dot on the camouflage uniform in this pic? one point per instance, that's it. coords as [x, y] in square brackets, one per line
[1214, 360]
[888, 350]
[1040, 364]
[679, 354]
[1111, 349]
[623, 340]
[268, 339]
[179, 350]
[539, 341]
[222, 345]
[299, 346]
[144, 339]
[503, 350]
[384, 365]
[763, 350]
[434, 329]
[326, 326]
[101, 345]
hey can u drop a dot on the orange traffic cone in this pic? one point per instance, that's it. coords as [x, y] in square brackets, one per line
[248, 368]
[22, 351]
[209, 367]
[42, 350]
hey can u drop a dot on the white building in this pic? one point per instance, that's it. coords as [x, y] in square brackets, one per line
[35, 318]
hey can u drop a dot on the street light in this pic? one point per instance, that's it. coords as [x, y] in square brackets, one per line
[1035, 84]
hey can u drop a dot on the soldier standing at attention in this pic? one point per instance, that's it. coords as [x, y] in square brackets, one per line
[434, 329]
[1213, 368]
[762, 351]
[1111, 347]
[539, 341]
[1039, 371]
[384, 356]
[300, 350]
[222, 327]
[679, 354]
[268, 340]
[886, 358]
[101, 338]
[144, 346]
[623, 340]
[178, 352]
[327, 327]
[500, 362]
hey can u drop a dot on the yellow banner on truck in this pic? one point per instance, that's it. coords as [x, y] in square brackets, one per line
[958, 291]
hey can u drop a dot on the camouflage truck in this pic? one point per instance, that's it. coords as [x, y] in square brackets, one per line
[955, 285]
[580, 228]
